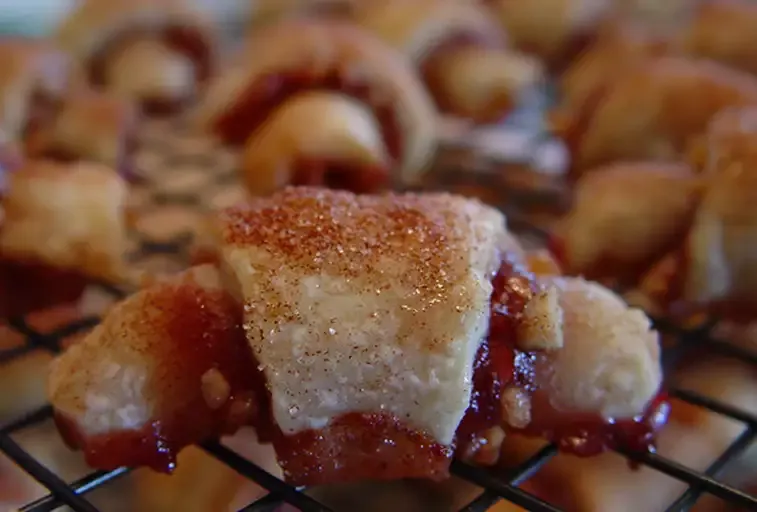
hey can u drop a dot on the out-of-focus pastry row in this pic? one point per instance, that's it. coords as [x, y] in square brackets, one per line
[658, 114]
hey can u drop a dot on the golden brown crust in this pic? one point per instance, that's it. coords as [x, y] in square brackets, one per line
[350, 296]
[723, 31]
[66, 216]
[656, 109]
[316, 50]
[462, 51]
[551, 29]
[31, 71]
[626, 216]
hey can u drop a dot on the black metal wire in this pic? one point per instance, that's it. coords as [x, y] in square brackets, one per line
[495, 486]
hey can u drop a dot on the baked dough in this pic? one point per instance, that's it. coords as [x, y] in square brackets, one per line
[464, 55]
[654, 110]
[337, 59]
[164, 362]
[625, 217]
[33, 77]
[158, 52]
[66, 216]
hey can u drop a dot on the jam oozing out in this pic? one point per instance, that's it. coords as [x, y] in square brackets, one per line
[267, 93]
[358, 447]
[200, 332]
[189, 41]
[500, 364]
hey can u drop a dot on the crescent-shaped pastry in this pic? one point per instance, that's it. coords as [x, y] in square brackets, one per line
[33, 78]
[158, 52]
[554, 30]
[625, 217]
[719, 262]
[169, 365]
[321, 102]
[653, 111]
[390, 332]
[63, 225]
[92, 126]
[462, 53]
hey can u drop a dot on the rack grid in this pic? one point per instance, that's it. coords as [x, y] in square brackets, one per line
[496, 486]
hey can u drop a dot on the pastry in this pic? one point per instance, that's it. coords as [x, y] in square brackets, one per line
[462, 53]
[391, 332]
[158, 52]
[694, 438]
[91, 126]
[63, 225]
[717, 267]
[321, 102]
[625, 217]
[652, 110]
[554, 30]
[33, 78]
[679, 235]
[722, 30]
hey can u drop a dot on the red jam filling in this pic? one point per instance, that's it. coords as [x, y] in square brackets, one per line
[191, 42]
[264, 96]
[202, 332]
[27, 287]
[432, 69]
[354, 446]
[359, 447]
[500, 364]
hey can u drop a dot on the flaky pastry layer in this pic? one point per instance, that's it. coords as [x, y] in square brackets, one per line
[361, 304]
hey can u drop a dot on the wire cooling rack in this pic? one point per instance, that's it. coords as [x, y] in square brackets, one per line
[174, 169]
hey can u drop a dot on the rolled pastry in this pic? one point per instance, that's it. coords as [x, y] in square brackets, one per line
[320, 102]
[463, 54]
[653, 111]
[33, 78]
[63, 226]
[158, 52]
[391, 332]
[554, 30]
[625, 217]
[719, 266]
